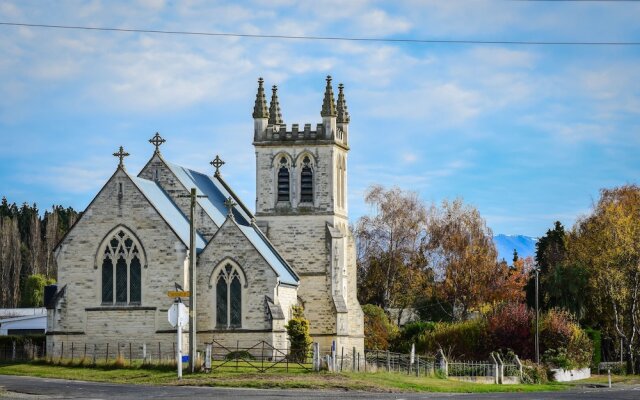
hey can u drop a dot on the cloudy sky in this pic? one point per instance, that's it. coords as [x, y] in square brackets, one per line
[526, 133]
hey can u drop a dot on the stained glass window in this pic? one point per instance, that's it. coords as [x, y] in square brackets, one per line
[221, 302]
[229, 298]
[122, 282]
[136, 284]
[107, 281]
[236, 303]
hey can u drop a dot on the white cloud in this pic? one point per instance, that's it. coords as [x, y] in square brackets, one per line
[378, 23]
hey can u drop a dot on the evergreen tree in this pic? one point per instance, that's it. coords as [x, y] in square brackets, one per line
[298, 331]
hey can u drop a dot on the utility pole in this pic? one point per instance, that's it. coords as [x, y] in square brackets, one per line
[192, 278]
[537, 269]
[192, 283]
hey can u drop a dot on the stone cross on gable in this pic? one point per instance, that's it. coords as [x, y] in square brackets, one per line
[217, 163]
[157, 141]
[121, 154]
[229, 203]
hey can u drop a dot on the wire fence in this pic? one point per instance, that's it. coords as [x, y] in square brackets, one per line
[261, 356]
[24, 350]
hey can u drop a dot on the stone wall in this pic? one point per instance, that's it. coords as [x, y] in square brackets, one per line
[80, 271]
[230, 245]
[301, 235]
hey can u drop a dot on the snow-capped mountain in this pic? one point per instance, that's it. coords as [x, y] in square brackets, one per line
[524, 245]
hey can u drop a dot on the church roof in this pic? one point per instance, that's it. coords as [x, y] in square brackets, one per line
[217, 192]
[168, 210]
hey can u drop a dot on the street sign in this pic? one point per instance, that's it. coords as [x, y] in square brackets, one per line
[178, 314]
[178, 293]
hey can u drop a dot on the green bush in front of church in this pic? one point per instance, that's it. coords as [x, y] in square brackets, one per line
[298, 331]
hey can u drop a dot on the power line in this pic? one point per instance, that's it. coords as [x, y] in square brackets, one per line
[326, 38]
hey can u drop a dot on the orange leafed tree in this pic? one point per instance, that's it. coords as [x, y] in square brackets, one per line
[460, 249]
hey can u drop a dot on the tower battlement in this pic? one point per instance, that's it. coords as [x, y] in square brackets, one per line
[270, 129]
[279, 134]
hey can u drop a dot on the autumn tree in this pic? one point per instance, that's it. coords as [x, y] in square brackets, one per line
[391, 269]
[379, 331]
[459, 248]
[607, 244]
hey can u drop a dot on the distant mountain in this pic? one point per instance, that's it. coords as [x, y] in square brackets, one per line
[524, 245]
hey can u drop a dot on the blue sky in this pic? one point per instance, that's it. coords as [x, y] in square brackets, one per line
[527, 134]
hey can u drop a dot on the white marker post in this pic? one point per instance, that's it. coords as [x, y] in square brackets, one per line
[178, 315]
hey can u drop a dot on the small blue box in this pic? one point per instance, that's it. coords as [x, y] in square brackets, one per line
[185, 358]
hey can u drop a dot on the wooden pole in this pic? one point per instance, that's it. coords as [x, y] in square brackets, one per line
[192, 284]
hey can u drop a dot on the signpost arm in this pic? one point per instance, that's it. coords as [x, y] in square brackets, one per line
[192, 284]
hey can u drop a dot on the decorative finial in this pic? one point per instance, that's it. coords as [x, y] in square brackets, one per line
[229, 203]
[217, 163]
[121, 154]
[328, 104]
[260, 108]
[157, 141]
[341, 107]
[275, 116]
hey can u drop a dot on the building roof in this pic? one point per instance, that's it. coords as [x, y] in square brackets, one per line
[168, 210]
[216, 192]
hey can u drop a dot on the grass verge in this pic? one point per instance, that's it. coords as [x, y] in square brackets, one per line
[373, 382]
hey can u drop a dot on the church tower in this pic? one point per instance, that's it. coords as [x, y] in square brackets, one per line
[301, 205]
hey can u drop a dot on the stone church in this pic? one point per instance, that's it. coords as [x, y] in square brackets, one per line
[131, 245]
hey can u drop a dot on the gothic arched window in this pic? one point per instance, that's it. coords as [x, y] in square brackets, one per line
[340, 177]
[121, 270]
[228, 297]
[306, 181]
[283, 180]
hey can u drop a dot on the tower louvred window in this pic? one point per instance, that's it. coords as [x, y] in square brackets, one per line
[283, 181]
[306, 182]
[121, 270]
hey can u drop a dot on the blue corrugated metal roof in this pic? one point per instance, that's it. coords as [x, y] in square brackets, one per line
[214, 206]
[168, 210]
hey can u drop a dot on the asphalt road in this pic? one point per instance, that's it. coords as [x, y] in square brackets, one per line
[18, 387]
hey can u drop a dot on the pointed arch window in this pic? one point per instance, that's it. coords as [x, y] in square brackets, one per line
[306, 181]
[340, 177]
[283, 180]
[228, 298]
[121, 264]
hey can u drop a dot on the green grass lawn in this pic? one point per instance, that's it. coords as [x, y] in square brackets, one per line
[604, 379]
[374, 382]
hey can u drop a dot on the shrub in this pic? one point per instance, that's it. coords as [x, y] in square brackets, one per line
[533, 373]
[298, 331]
[509, 328]
[33, 293]
[563, 343]
[596, 338]
[555, 329]
[379, 331]
[463, 340]
[240, 355]
[411, 333]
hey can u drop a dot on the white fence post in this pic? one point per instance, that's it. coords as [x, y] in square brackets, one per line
[496, 373]
[519, 364]
[444, 364]
[207, 356]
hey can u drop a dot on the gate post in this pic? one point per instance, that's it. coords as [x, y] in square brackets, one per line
[496, 369]
[444, 364]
